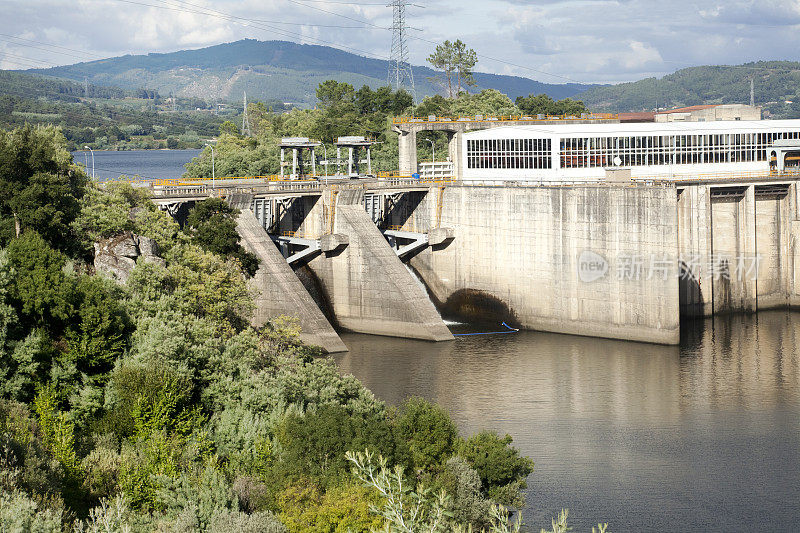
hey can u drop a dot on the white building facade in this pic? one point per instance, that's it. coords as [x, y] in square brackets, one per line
[577, 152]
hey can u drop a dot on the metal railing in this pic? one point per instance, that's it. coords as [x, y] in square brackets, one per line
[722, 176]
[431, 119]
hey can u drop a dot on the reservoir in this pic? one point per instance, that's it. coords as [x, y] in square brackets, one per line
[704, 436]
[154, 164]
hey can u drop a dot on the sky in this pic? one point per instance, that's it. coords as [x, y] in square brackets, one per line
[553, 41]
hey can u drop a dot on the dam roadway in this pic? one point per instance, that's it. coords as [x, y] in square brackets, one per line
[603, 259]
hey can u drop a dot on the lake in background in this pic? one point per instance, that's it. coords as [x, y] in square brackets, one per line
[158, 164]
[704, 436]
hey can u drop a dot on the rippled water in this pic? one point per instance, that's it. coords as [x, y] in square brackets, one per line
[159, 164]
[700, 437]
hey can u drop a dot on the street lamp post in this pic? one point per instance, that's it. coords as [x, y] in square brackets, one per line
[213, 174]
[433, 158]
[325, 151]
[92, 151]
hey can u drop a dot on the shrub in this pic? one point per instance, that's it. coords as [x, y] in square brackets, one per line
[313, 445]
[500, 466]
[20, 514]
[430, 433]
[341, 509]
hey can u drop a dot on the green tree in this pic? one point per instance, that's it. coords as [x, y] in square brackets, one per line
[457, 62]
[229, 127]
[332, 92]
[212, 224]
[41, 187]
[41, 290]
[543, 104]
[465, 60]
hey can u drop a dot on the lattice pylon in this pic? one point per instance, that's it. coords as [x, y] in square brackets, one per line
[400, 72]
[246, 120]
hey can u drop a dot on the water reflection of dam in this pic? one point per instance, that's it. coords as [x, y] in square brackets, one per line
[704, 434]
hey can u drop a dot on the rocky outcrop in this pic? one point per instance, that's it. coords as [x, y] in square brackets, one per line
[116, 256]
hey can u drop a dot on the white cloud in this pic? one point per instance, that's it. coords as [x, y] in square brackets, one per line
[585, 40]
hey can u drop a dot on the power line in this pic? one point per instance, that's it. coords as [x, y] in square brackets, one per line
[52, 46]
[243, 21]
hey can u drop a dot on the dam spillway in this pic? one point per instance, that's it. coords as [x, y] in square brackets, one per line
[604, 259]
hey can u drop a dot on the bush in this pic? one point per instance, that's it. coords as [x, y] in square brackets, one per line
[20, 514]
[313, 445]
[430, 433]
[500, 466]
[341, 509]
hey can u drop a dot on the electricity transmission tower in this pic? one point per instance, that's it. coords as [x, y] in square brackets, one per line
[246, 120]
[400, 73]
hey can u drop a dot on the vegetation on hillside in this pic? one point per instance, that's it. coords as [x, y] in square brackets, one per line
[155, 406]
[775, 83]
[266, 70]
[110, 118]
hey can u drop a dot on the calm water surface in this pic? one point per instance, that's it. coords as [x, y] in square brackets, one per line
[160, 164]
[700, 437]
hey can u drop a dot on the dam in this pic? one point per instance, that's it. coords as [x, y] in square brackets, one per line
[579, 231]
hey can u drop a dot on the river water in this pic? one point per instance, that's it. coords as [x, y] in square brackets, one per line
[159, 164]
[704, 436]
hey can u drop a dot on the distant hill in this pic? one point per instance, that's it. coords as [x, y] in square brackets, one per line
[775, 83]
[279, 70]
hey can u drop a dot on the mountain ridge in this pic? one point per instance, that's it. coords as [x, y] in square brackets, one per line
[271, 69]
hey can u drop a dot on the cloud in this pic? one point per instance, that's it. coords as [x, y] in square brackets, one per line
[548, 40]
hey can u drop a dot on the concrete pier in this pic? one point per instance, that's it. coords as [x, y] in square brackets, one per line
[279, 291]
[369, 288]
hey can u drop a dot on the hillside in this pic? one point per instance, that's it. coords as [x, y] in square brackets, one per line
[775, 83]
[280, 70]
[110, 118]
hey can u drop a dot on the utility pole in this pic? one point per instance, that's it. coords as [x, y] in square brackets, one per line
[752, 92]
[400, 72]
[246, 120]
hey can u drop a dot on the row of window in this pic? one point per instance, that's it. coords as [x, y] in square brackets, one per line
[668, 150]
[593, 152]
[509, 153]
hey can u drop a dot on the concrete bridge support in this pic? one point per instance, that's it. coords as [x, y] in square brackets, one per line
[280, 292]
[369, 288]
[407, 141]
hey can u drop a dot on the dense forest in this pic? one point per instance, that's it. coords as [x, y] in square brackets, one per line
[151, 404]
[775, 83]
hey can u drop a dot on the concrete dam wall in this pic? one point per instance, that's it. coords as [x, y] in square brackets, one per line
[585, 260]
[622, 261]
[739, 244]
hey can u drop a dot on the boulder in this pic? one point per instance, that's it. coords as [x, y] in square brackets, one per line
[116, 256]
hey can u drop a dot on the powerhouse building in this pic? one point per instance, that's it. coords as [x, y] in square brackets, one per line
[576, 152]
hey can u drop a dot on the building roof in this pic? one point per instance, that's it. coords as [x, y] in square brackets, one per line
[635, 128]
[641, 116]
[689, 109]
